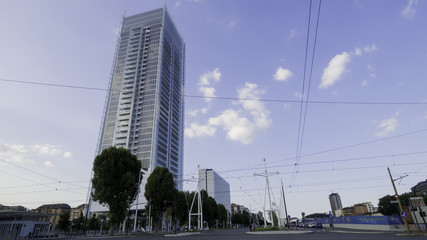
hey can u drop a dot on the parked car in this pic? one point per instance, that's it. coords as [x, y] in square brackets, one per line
[311, 225]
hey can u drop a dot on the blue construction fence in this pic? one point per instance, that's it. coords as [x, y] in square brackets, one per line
[373, 220]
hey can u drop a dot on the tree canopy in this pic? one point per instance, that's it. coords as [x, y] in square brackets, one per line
[159, 191]
[64, 221]
[387, 208]
[115, 179]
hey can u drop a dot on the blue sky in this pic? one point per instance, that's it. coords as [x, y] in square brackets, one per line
[366, 52]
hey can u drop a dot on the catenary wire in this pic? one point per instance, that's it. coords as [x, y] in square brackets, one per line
[302, 93]
[236, 98]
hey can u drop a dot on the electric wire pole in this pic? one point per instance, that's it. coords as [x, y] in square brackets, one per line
[398, 201]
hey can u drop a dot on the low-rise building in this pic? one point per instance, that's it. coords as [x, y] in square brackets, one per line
[55, 210]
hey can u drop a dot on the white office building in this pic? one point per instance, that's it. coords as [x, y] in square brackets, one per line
[216, 187]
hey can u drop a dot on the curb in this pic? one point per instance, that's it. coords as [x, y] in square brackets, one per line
[279, 232]
[182, 234]
[356, 232]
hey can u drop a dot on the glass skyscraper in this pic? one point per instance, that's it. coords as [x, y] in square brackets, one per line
[144, 111]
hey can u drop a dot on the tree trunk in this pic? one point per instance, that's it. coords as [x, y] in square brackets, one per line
[111, 229]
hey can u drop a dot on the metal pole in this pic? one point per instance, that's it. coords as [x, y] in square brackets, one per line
[284, 203]
[149, 219]
[137, 200]
[414, 214]
[398, 201]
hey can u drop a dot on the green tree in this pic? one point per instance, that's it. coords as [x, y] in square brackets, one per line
[222, 215]
[78, 222]
[387, 208]
[274, 219]
[116, 174]
[159, 191]
[209, 208]
[94, 222]
[64, 221]
[182, 206]
[237, 218]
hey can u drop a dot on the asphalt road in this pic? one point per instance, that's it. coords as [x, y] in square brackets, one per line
[240, 234]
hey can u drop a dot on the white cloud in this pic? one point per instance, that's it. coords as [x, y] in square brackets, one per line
[46, 149]
[409, 11]
[208, 93]
[210, 75]
[282, 74]
[48, 164]
[334, 70]
[68, 155]
[16, 153]
[194, 113]
[370, 48]
[373, 75]
[238, 128]
[292, 34]
[196, 130]
[205, 81]
[387, 126]
[256, 108]
[287, 106]
[358, 52]
[241, 124]
[364, 83]
[177, 4]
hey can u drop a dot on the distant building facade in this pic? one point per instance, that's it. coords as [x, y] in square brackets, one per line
[216, 187]
[77, 211]
[420, 188]
[335, 201]
[55, 210]
[238, 209]
[18, 224]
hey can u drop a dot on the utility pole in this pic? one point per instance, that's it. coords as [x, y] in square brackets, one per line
[199, 213]
[398, 201]
[267, 189]
[284, 203]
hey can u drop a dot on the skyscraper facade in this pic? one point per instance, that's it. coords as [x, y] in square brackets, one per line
[215, 186]
[144, 110]
[335, 201]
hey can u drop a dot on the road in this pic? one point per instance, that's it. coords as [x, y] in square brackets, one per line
[240, 234]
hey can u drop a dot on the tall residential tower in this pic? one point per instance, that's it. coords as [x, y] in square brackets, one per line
[144, 111]
[335, 201]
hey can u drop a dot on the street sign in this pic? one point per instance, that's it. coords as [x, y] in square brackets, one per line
[403, 214]
[303, 214]
[395, 201]
[330, 216]
[289, 216]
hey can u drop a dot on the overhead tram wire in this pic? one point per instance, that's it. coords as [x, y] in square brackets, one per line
[331, 161]
[45, 176]
[308, 94]
[54, 85]
[37, 185]
[231, 98]
[304, 115]
[256, 166]
[302, 94]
